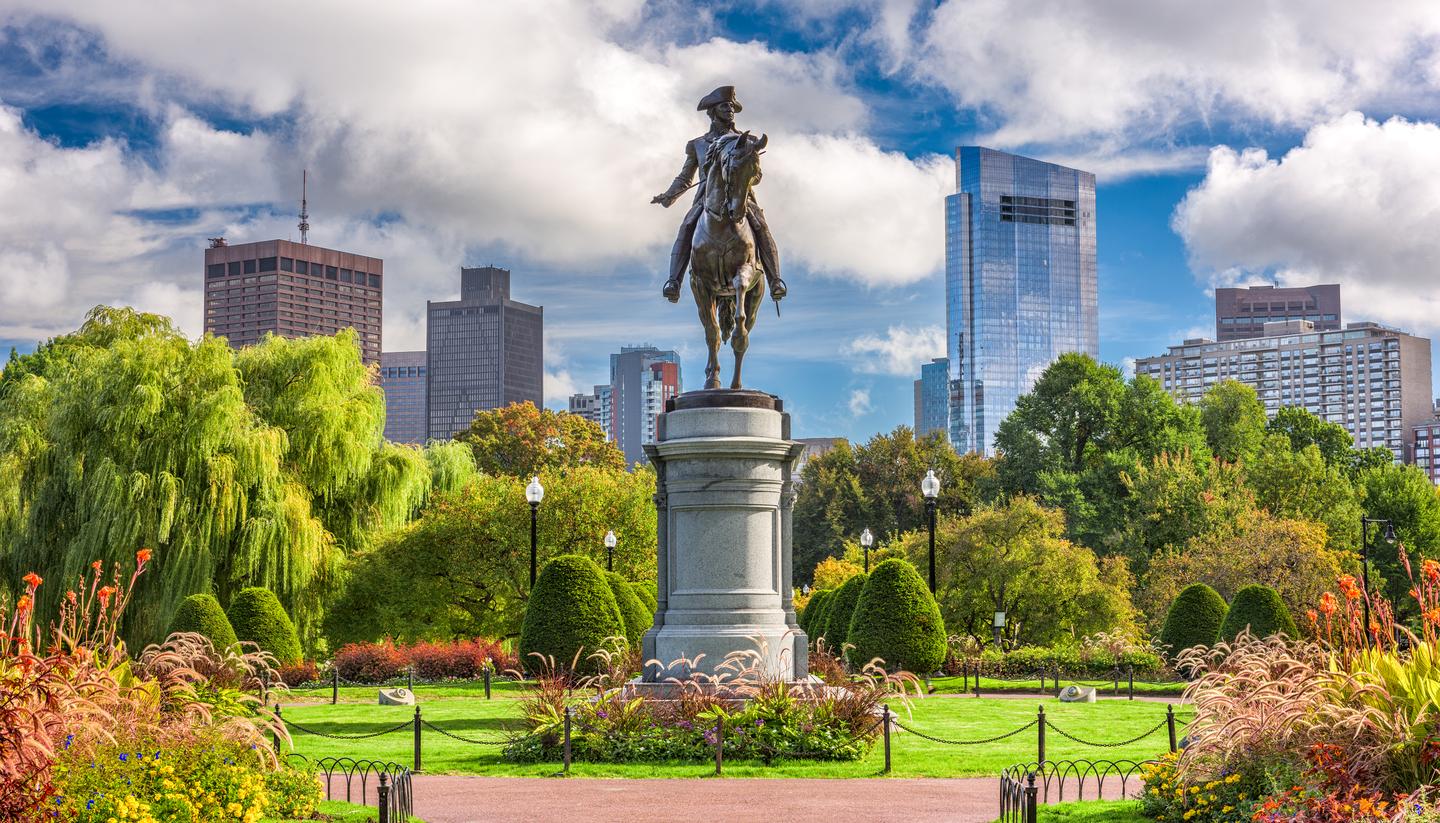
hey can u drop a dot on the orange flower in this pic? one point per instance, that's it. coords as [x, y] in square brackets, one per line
[33, 580]
[105, 594]
[142, 557]
[1348, 588]
[23, 604]
[1433, 615]
[70, 595]
[1312, 615]
[95, 565]
[1431, 570]
[1327, 603]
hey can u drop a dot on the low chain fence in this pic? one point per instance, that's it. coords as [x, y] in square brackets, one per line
[1026, 786]
[408, 680]
[393, 792]
[1118, 680]
[415, 725]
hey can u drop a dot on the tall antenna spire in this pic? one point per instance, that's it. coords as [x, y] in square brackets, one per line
[304, 207]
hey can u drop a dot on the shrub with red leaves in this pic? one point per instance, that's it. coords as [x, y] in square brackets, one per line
[458, 660]
[297, 673]
[370, 662]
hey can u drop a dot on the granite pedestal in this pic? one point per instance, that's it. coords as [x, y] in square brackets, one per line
[724, 495]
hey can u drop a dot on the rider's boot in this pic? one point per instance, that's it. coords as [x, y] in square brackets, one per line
[769, 256]
[679, 257]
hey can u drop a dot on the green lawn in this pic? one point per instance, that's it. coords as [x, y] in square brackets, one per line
[341, 812]
[1093, 811]
[947, 717]
[958, 685]
[366, 694]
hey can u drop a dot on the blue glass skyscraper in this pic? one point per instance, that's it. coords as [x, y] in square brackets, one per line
[1020, 282]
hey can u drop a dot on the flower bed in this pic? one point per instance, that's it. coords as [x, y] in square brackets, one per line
[458, 660]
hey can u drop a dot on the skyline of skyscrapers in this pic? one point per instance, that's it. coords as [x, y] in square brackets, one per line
[292, 290]
[642, 380]
[1020, 282]
[1241, 313]
[932, 398]
[403, 379]
[483, 351]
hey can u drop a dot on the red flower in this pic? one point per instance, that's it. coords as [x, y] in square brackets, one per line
[33, 580]
[143, 556]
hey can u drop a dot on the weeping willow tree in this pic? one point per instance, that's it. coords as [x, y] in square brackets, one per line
[263, 467]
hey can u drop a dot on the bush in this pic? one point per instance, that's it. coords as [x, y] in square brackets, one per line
[258, 617]
[201, 613]
[646, 593]
[461, 660]
[1069, 660]
[296, 674]
[842, 607]
[1194, 619]
[632, 611]
[815, 614]
[570, 615]
[370, 662]
[1260, 609]
[897, 621]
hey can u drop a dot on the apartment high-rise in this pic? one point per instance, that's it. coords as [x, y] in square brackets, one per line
[292, 290]
[1243, 313]
[483, 351]
[1020, 282]
[642, 379]
[932, 398]
[402, 377]
[1373, 380]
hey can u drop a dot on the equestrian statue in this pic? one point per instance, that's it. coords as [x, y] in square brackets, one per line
[724, 238]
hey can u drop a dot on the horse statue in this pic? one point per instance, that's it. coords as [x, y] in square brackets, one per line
[725, 274]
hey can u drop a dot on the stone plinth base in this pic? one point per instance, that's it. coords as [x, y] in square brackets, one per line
[670, 690]
[724, 496]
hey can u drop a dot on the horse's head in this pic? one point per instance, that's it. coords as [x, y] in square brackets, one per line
[740, 171]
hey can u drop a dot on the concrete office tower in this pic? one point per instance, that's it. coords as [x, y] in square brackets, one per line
[642, 378]
[402, 376]
[1243, 313]
[1373, 380]
[484, 351]
[1426, 436]
[1020, 282]
[291, 290]
[932, 398]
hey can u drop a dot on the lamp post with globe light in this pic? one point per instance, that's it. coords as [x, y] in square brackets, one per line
[534, 493]
[930, 488]
[866, 541]
[610, 551]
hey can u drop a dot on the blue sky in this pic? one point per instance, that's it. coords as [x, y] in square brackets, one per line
[1236, 143]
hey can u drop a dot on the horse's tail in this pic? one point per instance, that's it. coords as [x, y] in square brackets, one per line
[726, 308]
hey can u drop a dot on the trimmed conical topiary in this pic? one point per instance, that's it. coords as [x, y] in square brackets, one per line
[1194, 619]
[896, 620]
[1260, 609]
[571, 611]
[646, 593]
[819, 605]
[201, 614]
[632, 611]
[837, 622]
[257, 617]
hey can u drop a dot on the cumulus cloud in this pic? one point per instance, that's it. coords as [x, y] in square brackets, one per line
[1353, 204]
[1055, 71]
[900, 352]
[860, 402]
[559, 385]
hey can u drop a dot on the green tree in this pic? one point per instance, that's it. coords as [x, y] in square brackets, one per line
[571, 615]
[1175, 497]
[520, 440]
[837, 622]
[897, 621]
[260, 467]
[632, 611]
[1303, 428]
[1194, 619]
[201, 614]
[1301, 484]
[1406, 497]
[463, 568]
[259, 618]
[1259, 609]
[1014, 558]
[1233, 419]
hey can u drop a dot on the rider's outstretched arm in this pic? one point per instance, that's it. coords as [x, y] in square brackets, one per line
[682, 180]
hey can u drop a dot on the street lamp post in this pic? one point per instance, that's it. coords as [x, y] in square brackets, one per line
[609, 551]
[930, 487]
[999, 626]
[1365, 560]
[534, 493]
[866, 541]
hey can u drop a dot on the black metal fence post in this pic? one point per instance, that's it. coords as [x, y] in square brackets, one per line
[1170, 722]
[1040, 735]
[417, 737]
[1116, 675]
[382, 798]
[1130, 673]
[334, 686]
[719, 745]
[885, 719]
[567, 739]
[977, 678]
[1032, 799]
[487, 680]
[278, 723]
[410, 677]
[1042, 680]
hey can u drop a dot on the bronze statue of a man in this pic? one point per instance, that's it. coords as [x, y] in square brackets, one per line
[722, 107]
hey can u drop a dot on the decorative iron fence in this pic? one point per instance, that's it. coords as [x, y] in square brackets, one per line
[388, 782]
[1026, 786]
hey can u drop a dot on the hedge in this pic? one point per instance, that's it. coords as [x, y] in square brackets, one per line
[258, 617]
[897, 621]
[842, 608]
[817, 610]
[637, 619]
[201, 614]
[1261, 610]
[1069, 660]
[646, 593]
[571, 612]
[1194, 619]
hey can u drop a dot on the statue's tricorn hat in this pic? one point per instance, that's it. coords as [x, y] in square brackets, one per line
[724, 94]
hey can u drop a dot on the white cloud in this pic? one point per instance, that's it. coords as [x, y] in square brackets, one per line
[1057, 71]
[900, 352]
[860, 402]
[559, 385]
[1353, 204]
